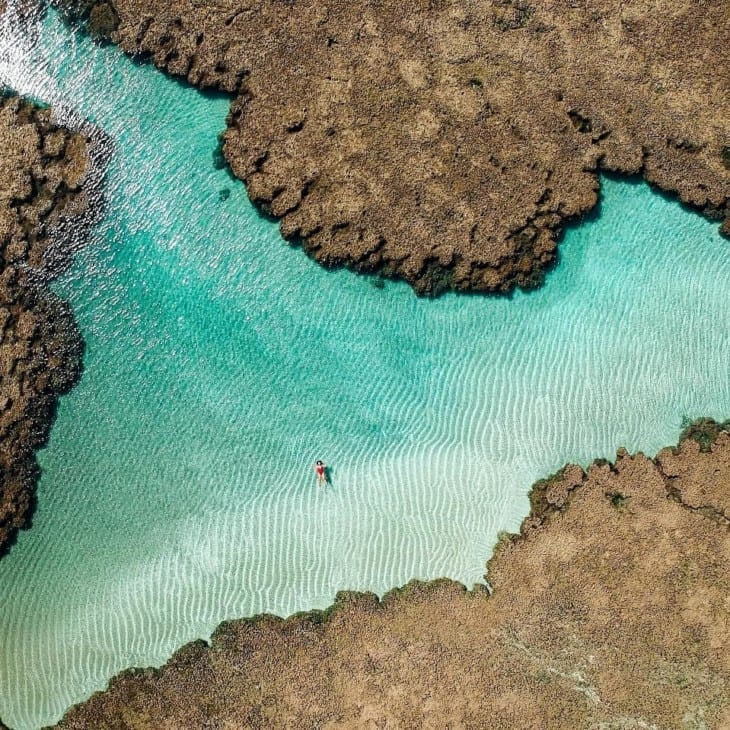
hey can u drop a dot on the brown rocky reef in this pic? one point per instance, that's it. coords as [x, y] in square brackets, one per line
[610, 610]
[447, 142]
[47, 175]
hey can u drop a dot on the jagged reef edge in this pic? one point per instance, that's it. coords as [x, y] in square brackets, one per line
[447, 143]
[609, 608]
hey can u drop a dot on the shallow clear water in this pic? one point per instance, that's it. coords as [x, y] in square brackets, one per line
[177, 488]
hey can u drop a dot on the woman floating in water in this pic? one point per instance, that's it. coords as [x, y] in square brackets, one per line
[321, 469]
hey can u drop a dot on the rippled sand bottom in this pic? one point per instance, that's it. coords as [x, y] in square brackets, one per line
[177, 488]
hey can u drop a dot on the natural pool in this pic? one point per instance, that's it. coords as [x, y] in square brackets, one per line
[177, 488]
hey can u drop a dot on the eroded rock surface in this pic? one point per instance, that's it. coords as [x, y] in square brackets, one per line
[610, 610]
[44, 214]
[447, 142]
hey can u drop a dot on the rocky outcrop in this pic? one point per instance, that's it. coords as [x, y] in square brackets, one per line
[48, 176]
[609, 610]
[448, 142]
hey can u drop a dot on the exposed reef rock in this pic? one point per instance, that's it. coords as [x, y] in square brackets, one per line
[609, 610]
[447, 142]
[47, 176]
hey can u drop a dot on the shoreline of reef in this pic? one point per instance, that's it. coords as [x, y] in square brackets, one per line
[51, 199]
[445, 144]
[611, 590]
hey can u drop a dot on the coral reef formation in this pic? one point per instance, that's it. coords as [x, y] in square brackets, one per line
[445, 143]
[48, 176]
[609, 610]
[448, 142]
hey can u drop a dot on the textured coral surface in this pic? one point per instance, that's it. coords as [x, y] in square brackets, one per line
[43, 214]
[610, 610]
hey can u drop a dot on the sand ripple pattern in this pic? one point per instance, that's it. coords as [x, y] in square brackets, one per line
[177, 487]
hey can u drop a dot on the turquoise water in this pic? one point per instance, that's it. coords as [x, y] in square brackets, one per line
[177, 488]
